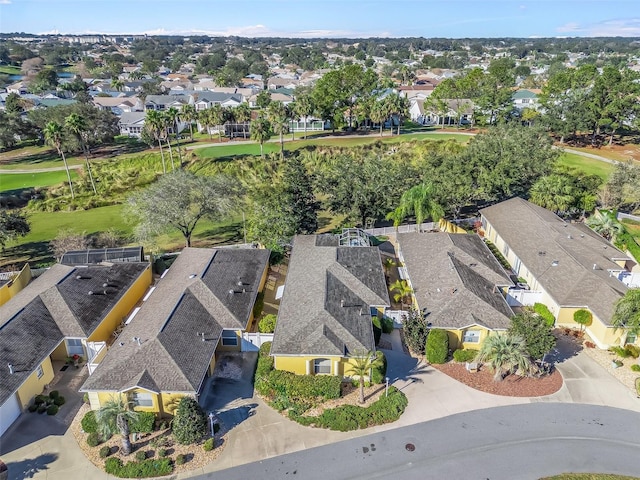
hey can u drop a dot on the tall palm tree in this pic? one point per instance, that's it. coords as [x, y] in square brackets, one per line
[114, 417]
[363, 363]
[303, 109]
[605, 225]
[627, 312]
[399, 106]
[420, 201]
[379, 113]
[403, 290]
[53, 134]
[505, 354]
[243, 115]
[77, 125]
[216, 117]
[277, 115]
[153, 122]
[173, 117]
[189, 115]
[261, 131]
[117, 84]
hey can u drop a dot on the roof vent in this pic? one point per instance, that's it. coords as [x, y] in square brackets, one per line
[97, 292]
[10, 368]
[193, 275]
[137, 340]
[542, 253]
[231, 292]
[595, 266]
[555, 263]
[569, 236]
[240, 283]
[121, 344]
[82, 277]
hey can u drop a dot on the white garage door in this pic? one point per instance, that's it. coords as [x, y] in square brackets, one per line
[9, 412]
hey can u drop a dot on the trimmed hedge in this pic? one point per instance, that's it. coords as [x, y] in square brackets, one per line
[59, 401]
[52, 410]
[632, 350]
[267, 324]
[144, 424]
[351, 417]
[89, 423]
[93, 440]
[387, 325]
[208, 445]
[542, 310]
[145, 469]
[635, 367]
[582, 317]
[437, 346]
[379, 373]
[377, 329]
[189, 423]
[105, 451]
[464, 355]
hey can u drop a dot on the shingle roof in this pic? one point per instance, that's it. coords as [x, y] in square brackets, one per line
[54, 306]
[454, 278]
[538, 237]
[193, 298]
[329, 289]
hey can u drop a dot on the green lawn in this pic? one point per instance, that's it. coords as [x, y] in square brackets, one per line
[10, 70]
[18, 181]
[586, 165]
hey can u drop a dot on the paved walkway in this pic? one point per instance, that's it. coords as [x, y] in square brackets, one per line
[259, 432]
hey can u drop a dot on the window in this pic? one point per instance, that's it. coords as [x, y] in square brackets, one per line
[229, 338]
[631, 338]
[322, 365]
[39, 371]
[471, 336]
[74, 346]
[142, 399]
[505, 250]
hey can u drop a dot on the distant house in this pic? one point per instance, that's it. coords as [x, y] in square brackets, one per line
[66, 311]
[132, 123]
[278, 82]
[199, 308]
[457, 285]
[19, 88]
[165, 102]
[566, 266]
[118, 105]
[525, 99]
[443, 112]
[333, 287]
[205, 100]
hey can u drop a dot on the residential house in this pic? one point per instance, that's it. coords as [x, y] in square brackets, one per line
[165, 102]
[457, 285]
[118, 105]
[204, 100]
[333, 287]
[525, 99]
[566, 266]
[199, 307]
[132, 123]
[65, 311]
[443, 112]
[19, 88]
[278, 82]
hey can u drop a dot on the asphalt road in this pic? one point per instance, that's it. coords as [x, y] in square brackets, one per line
[510, 443]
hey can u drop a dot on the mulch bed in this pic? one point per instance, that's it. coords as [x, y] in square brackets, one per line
[511, 386]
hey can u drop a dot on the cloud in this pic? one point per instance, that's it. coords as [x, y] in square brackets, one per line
[616, 28]
[571, 27]
[5, 2]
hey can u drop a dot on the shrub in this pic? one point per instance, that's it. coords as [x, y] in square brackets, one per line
[190, 422]
[621, 352]
[180, 459]
[141, 455]
[464, 355]
[42, 408]
[437, 346]
[85, 398]
[33, 408]
[105, 451]
[144, 469]
[162, 452]
[387, 324]
[377, 329]
[632, 350]
[379, 372]
[258, 306]
[535, 331]
[59, 401]
[589, 344]
[635, 367]
[415, 331]
[52, 410]
[144, 424]
[93, 439]
[53, 394]
[89, 423]
[542, 310]
[208, 445]
[267, 324]
[582, 317]
[40, 399]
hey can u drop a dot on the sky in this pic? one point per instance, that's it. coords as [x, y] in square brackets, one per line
[326, 18]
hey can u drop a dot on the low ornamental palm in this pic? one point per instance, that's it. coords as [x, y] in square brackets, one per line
[115, 416]
[363, 363]
[505, 354]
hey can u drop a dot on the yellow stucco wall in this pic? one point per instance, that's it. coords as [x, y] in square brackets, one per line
[33, 385]
[455, 338]
[212, 365]
[60, 353]
[603, 335]
[21, 280]
[303, 364]
[164, 403]
[123, 307]
[231, 348]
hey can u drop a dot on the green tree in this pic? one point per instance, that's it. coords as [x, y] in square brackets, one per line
[117, 84]
[399, 106]
[303, 108]
[604, 224]
[263, 99]
[173, 117]
[402, 291]
[627, 312]
[420, 201]
[12, 224]
[153, 123]
[243, 115]
[179, 201]
[537, 334]
[361, 366]
[189, 115]
[415, 330]
[77, 125]
[437, 347]
[505, 355]
[53, 134]
[582, 317]
[261, 131]
[379, 113]
[214, 117]
[116, 416]
[267, 324]
[189, 423]
[279, 120]
[44, 80]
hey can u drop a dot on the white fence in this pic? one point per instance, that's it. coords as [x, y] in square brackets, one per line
[628, 216]
[519, 298]
[397, 316]
[425, 227]
[251, 342]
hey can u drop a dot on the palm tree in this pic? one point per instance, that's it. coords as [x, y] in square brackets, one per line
[399, 106]
[173, 117]
[78, 127]
[388, 264]
[379, 113]
[261, 131]
[419, 200]
[117, 84]
[403, 290]
[165, 122]
[553, 192]
[303, 109]
[215, 114]
[397, 215]
[605, 225]
[505, 354]
[114, 417]
[363, 363]
[189, 115]
[277, 115]
[243, 114]
[53, 133]
[627, 312]
[153, 123]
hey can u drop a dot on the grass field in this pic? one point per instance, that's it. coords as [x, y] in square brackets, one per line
[586, 165]
[633, 228]
[18, 181]
[10, 70]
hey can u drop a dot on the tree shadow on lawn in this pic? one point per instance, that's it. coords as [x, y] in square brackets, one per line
[33, 252]
[30, 467]
[220, 235]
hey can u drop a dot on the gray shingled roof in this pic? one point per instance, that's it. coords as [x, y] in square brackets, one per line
[329, 289]
[54, 306]
[454, 278]
[538, 237]
[199, 294]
